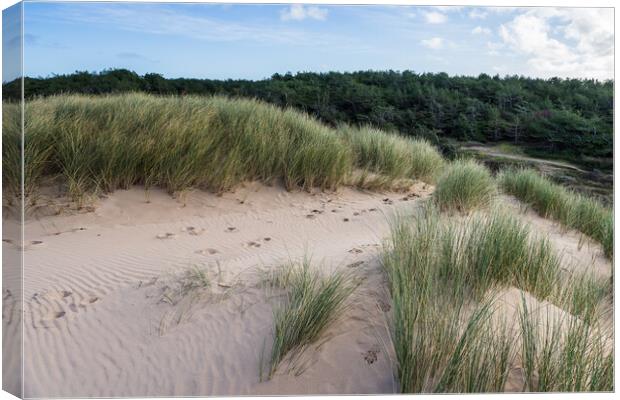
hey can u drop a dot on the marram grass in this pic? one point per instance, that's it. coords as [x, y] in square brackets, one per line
[442, 273]
[465, 185]
[564, 354]
[392, 155]
[311, 303]
[102, 143]
[551, 200]
[443, 341]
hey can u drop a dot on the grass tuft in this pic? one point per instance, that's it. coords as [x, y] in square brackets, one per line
[312, 303]
[465, 185]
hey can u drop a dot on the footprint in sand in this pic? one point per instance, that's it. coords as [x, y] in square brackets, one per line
[371, 356]
[207, 251]
[387, 201]
[166, 235]
[345, 219]
[28, 245]
[355, 264]
[231, 229]
[355, 250]
[53, 305]
[311, 216]
[267, 239]
[193, 230]
[253, 244]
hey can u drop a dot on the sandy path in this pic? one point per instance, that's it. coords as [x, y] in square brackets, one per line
[95, 324]
[496, 153]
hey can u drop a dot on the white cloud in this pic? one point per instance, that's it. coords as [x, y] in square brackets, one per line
[479, 30]
[299, 12]
[448, 8]
[434, 17]
[477, 14]
[168, 21]
[494, 47]
[564, 41]
[433, 43]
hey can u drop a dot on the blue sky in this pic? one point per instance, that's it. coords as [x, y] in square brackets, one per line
[254, 41]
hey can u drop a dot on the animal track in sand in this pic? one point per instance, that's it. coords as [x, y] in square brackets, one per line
[345, 219]
[26, 245]
[231, 229]
[166, 235]
[355, 264]
[207, 251]
[193, 230]
[256, 243]
[355, 250]
[314, 213]
[371, 356]
[410, 196]
[54, 304]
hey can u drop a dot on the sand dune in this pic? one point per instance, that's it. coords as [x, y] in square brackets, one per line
[100, 320]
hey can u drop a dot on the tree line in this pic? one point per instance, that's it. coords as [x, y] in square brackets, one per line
[572, 118]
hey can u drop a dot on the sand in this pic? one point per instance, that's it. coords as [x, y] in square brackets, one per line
[102, 317]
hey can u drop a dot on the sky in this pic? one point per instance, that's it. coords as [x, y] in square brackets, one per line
[220, 41]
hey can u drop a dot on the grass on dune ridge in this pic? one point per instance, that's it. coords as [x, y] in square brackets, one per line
[101, 143]
[551, 200]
